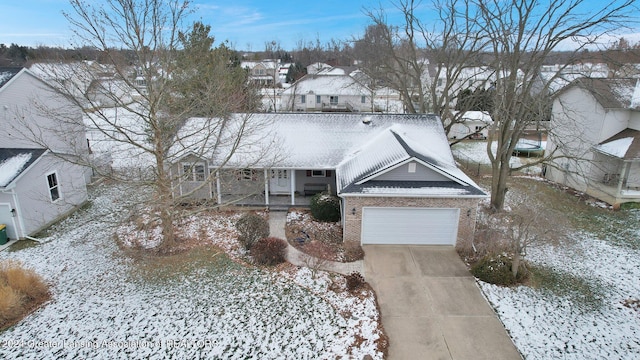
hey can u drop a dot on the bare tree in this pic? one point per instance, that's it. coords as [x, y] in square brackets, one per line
[522, 34]
[161, 75]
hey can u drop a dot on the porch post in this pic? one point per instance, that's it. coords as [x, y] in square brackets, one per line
[218, 187]
[266, 187]
[293, 186]
[621, 180]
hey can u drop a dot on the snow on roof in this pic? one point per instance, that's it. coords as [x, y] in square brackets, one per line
[328, 85]
[617, 148]
[473, 115]
[305, 140]
[15, 161]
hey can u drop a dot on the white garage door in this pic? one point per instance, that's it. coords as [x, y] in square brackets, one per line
[425, 226]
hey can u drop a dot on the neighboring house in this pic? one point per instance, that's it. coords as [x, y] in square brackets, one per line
[266, 72]
[474, 124]
[596, 131]
[37, 187]
[395, 174]
[330, 90]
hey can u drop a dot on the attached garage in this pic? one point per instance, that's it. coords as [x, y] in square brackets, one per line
[404, 225]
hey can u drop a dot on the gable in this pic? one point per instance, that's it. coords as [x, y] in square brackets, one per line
[14, 162]
[411, 171]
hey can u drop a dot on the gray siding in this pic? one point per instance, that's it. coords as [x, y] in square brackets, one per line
[36, 209]
[59, 127]
[402, 173]
[302, 178]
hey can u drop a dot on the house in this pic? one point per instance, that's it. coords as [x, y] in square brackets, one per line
[395, 175]
[473, 124]
[329, 90]
[37, 185]
[268, 72]
[596, 139]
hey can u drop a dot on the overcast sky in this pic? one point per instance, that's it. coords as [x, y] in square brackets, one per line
[247, 24]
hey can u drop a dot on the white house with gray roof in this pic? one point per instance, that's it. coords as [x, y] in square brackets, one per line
[596, 139]
[395, 174]
[37, 187]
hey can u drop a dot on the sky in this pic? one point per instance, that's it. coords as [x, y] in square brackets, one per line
[247, 24]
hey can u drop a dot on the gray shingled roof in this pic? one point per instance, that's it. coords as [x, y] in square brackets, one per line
[14, 162]
[610, 93]
[624, 145]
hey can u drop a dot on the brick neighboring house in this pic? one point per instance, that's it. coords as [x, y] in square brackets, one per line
[395, 174]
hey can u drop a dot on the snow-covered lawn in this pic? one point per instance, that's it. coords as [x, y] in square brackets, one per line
[587, 315]
[201, 304]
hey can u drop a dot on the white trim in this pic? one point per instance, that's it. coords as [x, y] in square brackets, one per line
[442, 196]
[266, 186]
[192, 171]
[13, 182]
[57, 186]
[13, 218]
[293, 186]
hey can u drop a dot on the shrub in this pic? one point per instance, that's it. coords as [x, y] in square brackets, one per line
[24, 281]
[496, 269]
[11, 304]
[252, 227]
[269, 251]
[325, 207]
[355, 281]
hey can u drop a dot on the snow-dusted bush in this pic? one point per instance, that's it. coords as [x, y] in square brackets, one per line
[252, 227]
[325, 207]
[496, 269]
[355, 280]
[269, 251]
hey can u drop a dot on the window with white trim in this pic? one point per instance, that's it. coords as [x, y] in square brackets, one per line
[303, 99]
[54, 187]
[363, 99]
[318, 173]
[318, 99]
[333, 100]
[193, 171]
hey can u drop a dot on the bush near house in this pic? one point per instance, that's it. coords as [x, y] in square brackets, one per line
[252, 227]
[496, 269]
[21, 290]
[269, 251]
[325, 207]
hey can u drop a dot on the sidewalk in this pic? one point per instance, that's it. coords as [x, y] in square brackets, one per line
[277, 223]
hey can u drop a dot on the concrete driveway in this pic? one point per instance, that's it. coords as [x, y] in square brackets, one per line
[431, 306]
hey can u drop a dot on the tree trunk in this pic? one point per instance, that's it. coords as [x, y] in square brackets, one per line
[515, 264]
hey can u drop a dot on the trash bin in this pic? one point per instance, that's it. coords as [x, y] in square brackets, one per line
[3, 234]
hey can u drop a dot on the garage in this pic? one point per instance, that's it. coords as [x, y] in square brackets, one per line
[414, 226]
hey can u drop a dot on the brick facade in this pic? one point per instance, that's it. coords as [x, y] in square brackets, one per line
[466, 223]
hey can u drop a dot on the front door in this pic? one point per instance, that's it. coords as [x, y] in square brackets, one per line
[280, 182]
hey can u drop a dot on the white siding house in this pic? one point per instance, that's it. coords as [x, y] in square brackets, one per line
[330, 90]
[38, 187]
[596, 138]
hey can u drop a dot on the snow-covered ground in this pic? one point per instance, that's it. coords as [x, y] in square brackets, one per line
[547, 324]
[107, 305]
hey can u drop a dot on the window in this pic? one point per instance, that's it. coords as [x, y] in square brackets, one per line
[54, 188]
[318, 99]
[247, 174]
[193, 172]
[303, 98]
[333, 100]
[318, 173]
[439, 82]
[363, 99]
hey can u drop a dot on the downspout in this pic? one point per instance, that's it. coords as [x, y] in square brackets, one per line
[18, 214]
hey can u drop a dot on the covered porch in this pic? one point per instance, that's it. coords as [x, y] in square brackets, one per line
[616, 180]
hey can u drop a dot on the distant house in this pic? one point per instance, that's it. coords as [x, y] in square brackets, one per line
[268, 72]
[472, 124]
[395, 174]
[37, 186]
[330, 90]
[596, 132]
